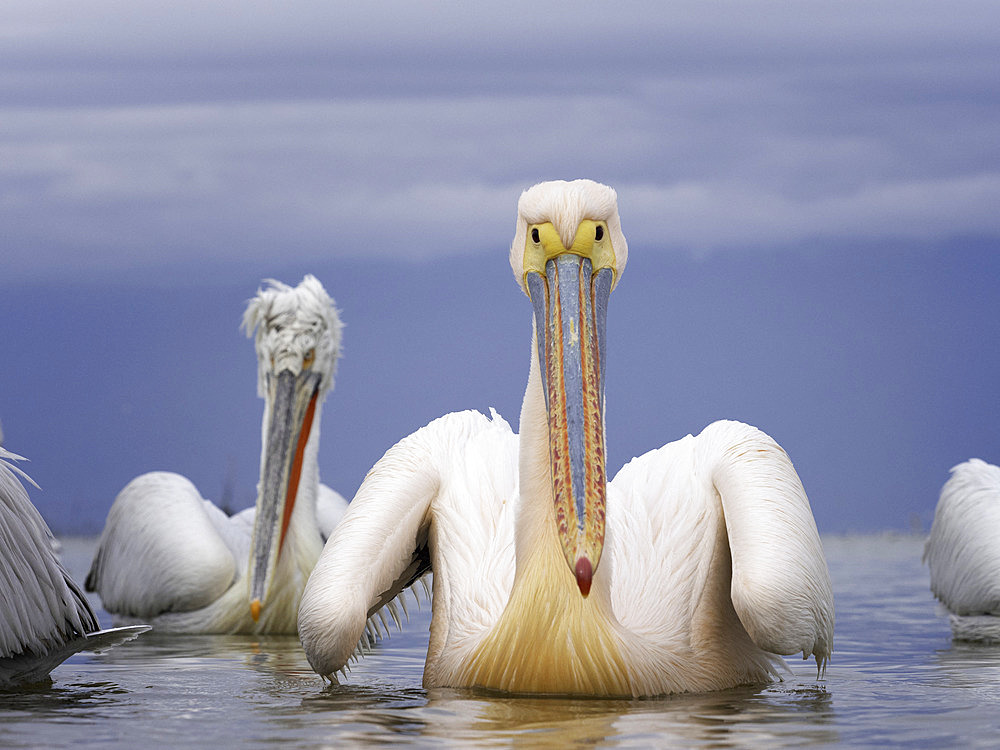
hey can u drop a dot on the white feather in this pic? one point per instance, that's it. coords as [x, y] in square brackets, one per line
[712, 564]
[172, 558]
[45, 617]
[963, 550]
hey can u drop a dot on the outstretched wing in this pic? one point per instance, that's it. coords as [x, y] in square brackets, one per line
[160, 551]
[402, 523]
[677, 499]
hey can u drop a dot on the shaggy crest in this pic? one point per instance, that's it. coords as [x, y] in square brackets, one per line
[289, 321]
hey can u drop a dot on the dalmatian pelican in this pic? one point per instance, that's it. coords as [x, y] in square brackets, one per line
[172, 559]
[963, 551]
[45, 617]
[691, 570]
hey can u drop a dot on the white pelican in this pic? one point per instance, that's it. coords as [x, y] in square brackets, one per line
[173, 559]
[44, 617]
[709, 563]
[963, 551]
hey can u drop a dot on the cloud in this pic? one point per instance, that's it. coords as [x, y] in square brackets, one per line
[702, 217]
[174, 133]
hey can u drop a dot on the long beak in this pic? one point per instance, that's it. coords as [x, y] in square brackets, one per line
[570, 303]
[292, 401]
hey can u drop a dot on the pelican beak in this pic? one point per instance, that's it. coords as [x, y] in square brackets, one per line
[292, 405]
[570, 297]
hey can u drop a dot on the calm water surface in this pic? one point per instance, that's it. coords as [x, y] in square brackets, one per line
[895, 679]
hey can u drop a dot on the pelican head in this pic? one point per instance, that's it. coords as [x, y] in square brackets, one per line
[297, 339]
[568, 254]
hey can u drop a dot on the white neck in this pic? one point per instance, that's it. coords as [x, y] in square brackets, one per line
[536, 527]
[304, 512]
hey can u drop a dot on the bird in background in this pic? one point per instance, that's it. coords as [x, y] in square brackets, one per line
[173, 559]
[44, 616]
[691, 570]
[963, 551]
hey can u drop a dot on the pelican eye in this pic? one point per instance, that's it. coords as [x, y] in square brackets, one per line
[599, 233]
[534, 234]
[308, 358]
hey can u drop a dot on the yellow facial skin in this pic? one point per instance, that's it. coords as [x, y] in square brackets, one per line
[592, 241]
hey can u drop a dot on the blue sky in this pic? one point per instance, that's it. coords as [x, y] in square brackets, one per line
[809, 191]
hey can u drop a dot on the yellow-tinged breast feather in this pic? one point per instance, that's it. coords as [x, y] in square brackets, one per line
[551, 640]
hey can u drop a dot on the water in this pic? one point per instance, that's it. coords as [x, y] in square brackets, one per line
[896, 679]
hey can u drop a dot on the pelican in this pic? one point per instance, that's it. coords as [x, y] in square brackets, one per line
[171, 558]
[692, 570]
[963, 551]
[44, 617]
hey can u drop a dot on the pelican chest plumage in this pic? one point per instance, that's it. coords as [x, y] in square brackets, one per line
[174, 560]
[963, 551]
[44, 616]
[690, 571]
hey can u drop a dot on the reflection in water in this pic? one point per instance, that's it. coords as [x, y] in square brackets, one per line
[775, 715]
[368, 713]
[709, 718]
[971, 666]
[896, 679]
[43, 699]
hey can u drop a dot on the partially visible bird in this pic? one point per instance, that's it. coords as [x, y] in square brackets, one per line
[690, 571]
[963, 551]
[173, 559]
[44, 617]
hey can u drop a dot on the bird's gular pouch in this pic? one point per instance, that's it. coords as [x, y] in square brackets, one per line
[292, 400]
[570, 302]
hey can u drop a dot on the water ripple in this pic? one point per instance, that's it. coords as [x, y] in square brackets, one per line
[896, 680]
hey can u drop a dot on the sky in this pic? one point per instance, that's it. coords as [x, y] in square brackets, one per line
[810, 193]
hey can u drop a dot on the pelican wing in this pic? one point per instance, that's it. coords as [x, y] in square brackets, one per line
[44, 617]
[436, 500]
[676, 500]
[160, 550]
[962, 550]
[28, 667]
[781, 585]
[235, 531]
[41, 605]
[330, 508]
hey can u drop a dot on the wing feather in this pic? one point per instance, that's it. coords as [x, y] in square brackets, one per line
[330, 508]
[160, 551]
[42, 605]
[396, 525]
[781, 585]
[45, 617]
[673, 501]
[963, 549]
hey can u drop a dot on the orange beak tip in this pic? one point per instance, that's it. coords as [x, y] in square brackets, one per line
[255, 609]
[584, 575]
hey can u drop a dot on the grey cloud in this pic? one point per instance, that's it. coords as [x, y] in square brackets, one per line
[169, 133]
